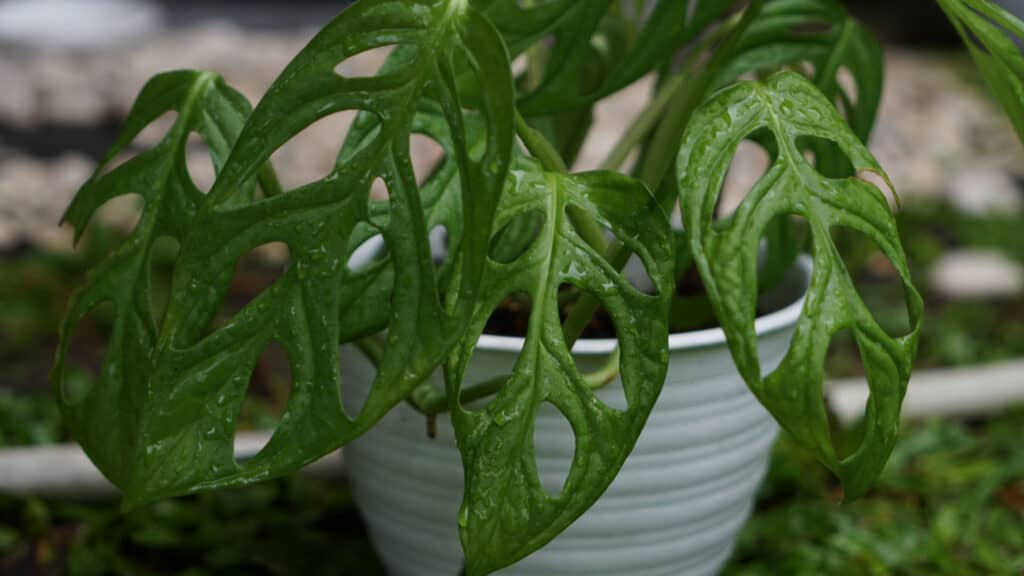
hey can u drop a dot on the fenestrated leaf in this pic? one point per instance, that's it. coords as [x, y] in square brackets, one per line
[191, 389]
[106, 421]
[992, 35]
[370, 289]
[726, 253]
[506, 513]
[820, 33]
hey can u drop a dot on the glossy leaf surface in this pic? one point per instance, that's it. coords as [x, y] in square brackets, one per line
[506, 513]
[188, 384]
[819, 38]
[821, 35]
[790, 107]
[106, 421]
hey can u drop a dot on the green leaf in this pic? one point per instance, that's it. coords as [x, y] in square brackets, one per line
[521, 23]
[993, 36]
[106, 421]
[819, 33]
[670, 25]
[188, 385]
[506, 514]
[726, 252]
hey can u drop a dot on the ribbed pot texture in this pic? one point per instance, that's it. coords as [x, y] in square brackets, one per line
[674, 510]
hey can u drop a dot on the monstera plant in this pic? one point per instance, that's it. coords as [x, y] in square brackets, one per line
[800, 77]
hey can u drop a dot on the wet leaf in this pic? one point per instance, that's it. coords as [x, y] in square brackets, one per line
[726, 252]
[506, 513]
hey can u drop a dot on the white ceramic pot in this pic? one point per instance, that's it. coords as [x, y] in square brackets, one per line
[674, 510]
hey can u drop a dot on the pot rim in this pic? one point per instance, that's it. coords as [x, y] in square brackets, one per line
[763, 325]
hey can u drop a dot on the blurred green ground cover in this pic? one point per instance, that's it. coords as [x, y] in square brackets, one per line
[951, 502]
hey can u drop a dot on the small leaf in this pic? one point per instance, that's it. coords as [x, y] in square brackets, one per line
[993, 36]
[821, 34]
[727, 257]
[506, 512]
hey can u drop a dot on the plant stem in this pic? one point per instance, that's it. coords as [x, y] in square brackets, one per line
[372, 349]
[268, 180]
[606, 374]
[647, 121]
[539, 147]
[684, 97]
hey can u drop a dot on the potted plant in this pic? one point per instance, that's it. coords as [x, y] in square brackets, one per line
[543, 247]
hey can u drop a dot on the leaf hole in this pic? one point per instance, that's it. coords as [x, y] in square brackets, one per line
[379, 191]
[842, 360]
[635, 271]
[147, 138]
[554, 448]
[363, 131]
[517, 236]
[876, 279]
[199, 163]
[120, 216]
[848, 83]
[368, 253]
[600, 325]
[751, 161]
[427, 156]
[365, 64]
[846, 419]
[255, 273]
[358, 373]
[163, 255]
[265, 402]
[86, 352]
[520, 65]
[876, 180]
[266, 399]
[785, 238]
[511, 317]
[439, 240]
[825, 155]
[310, 155]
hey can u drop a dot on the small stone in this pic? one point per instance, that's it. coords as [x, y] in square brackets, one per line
[76, 23]
[33, 196]
[977, 274]
[983, 192]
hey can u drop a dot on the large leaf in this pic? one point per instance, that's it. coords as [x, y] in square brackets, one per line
[106, 421]
[506, 513]
[993, 37]
[189, 386]
[726, 252]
